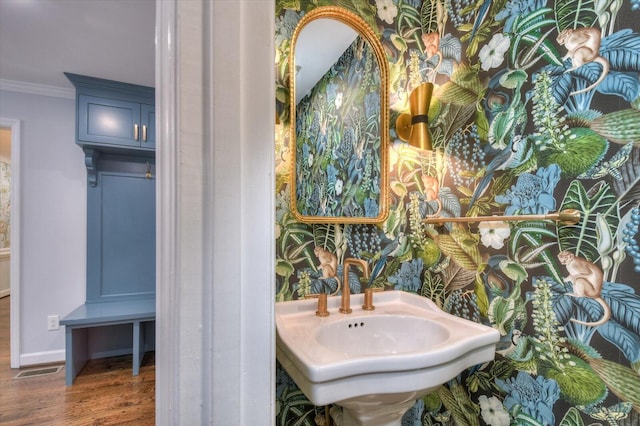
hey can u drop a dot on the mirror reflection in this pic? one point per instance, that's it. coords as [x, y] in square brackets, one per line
[339, 115]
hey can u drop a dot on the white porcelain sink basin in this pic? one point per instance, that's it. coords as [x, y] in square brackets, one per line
[395, 354]
[381, 334]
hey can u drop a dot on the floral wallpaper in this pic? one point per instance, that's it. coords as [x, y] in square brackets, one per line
[5, 203]
[338, 139]
[535, 110]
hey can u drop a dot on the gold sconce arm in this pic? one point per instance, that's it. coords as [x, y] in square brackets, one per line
[565, 217]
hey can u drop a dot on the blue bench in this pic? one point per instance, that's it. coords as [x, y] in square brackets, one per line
[90, 315]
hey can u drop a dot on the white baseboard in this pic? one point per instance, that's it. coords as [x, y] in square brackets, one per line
[42, 358]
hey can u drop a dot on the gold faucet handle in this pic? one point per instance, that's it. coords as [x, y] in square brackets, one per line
[368, 298]
[322, 303]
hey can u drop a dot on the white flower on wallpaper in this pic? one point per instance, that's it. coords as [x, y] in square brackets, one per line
[5, 203]
[492, 54]
[386, 10]
[493, 234]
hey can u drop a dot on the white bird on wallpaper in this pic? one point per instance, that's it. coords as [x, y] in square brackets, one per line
[393, 248]
[509, 157]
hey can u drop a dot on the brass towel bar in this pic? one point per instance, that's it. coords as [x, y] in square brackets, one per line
[565, 217]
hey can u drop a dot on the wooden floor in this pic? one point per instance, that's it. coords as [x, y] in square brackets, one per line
[104, 393]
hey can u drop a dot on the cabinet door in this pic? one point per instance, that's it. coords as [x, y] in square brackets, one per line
[148, 122]
[108, 121]
[121, 243]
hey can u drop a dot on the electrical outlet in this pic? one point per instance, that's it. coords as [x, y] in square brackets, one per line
[53, 322]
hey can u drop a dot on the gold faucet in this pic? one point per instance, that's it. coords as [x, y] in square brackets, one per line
[345, 305]
[322, 303]
[368, 298]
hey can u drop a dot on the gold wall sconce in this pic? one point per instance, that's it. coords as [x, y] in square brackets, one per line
[565, 217]
[413, 127]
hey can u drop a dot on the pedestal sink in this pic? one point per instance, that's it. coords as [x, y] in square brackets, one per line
[376, 364]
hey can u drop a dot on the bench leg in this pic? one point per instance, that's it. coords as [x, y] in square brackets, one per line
[138, 346]
[75, 352]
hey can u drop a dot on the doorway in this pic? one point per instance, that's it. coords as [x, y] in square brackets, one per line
[10, 129]
[5, 210]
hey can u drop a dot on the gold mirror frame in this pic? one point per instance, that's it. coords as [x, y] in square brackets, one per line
[365, 32]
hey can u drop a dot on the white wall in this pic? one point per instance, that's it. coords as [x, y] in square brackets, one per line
[53, 219]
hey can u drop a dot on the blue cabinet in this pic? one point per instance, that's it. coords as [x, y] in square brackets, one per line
[148, 123]
[116, 131]
[114, 122]
[115, 127]
[114, 116]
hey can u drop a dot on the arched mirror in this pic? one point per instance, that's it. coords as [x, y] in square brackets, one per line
[339, 119]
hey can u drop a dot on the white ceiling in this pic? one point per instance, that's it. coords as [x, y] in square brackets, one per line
[112, 39]
[319, 45]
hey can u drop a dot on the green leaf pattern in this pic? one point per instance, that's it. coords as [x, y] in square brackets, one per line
[484, 93]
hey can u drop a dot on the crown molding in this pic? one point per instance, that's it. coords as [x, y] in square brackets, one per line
[36, 89]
